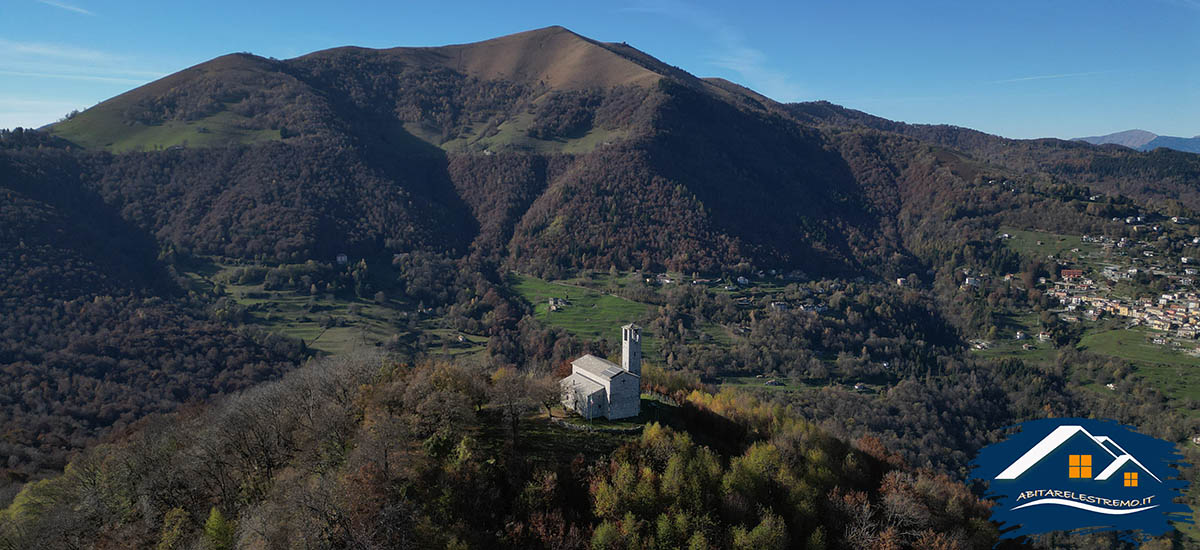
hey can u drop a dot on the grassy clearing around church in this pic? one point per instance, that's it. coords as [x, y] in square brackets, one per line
[653, 409]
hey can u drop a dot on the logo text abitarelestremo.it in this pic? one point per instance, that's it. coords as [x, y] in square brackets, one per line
[1079, 474]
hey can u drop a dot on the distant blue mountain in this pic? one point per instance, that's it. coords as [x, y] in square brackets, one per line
[1191, 145]
[1146, 141]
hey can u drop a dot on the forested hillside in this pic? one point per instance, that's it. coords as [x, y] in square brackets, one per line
[362, 452]
[96, 333]
[1159, 176]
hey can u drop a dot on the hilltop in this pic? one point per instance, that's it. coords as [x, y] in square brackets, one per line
[537, 90]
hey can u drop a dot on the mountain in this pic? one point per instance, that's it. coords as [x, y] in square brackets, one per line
[606, 142]
[1160, 176]
[543, 152]
[534, 90]
[1190, 145]
[1133, 139]
[1146, 141]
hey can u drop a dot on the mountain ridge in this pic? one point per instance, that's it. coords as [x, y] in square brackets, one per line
[1133, 139]
[1142, 140]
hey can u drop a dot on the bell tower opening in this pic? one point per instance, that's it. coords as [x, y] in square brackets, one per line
[631, 348]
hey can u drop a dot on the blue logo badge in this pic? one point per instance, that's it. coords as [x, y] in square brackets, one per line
[1077, 474]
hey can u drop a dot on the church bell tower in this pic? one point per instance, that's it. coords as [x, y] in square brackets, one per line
[631, 348]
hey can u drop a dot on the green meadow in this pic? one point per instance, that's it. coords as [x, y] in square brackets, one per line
[1174, 372]
[104, 129]
[1040, 244]
[591, 314]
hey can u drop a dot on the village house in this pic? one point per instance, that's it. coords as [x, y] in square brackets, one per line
[600, 388]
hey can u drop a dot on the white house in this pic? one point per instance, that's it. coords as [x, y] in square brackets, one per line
[600, 388]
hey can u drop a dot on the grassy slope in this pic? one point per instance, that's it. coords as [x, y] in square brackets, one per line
[1060, 246]
[603, 281]
[1173, 372]
[592, 314]
[102, 128]
[362, 322]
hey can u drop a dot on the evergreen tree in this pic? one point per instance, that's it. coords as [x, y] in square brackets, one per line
[218, 531]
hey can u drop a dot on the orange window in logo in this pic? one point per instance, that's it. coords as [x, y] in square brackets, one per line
[1079, 467]
[1131, 479]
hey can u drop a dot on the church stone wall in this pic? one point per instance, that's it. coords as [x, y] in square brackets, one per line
[625, 398]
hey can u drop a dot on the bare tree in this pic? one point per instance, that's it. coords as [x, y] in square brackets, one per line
[510, 391]
[546, 390]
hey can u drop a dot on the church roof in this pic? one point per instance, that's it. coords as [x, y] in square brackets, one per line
[601, 368]
[582, 384]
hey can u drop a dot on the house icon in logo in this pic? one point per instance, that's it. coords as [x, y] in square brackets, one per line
[1064, 474]
[1083, 459]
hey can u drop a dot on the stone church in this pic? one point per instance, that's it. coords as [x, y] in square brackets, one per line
[600, 388]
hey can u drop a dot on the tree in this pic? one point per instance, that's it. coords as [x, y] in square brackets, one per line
[546, 391]
[173, 530]
[771, 532]
[218, 532]
[511, 393]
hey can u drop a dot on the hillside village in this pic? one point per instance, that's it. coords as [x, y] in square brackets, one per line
[1147, 279]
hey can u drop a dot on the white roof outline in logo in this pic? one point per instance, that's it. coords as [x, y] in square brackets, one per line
[1059, 436]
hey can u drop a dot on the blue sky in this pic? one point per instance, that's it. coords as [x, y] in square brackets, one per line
[1017, 68]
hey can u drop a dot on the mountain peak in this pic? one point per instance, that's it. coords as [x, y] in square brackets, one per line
[1146, 141]
[1129, 138]
[551, 56]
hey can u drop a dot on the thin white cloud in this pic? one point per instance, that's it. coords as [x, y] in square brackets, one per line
[10, 49]
[734, 52]
[48, 67]
[59, 61]
[69, 76]
[1046, 77]
[67, 7]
